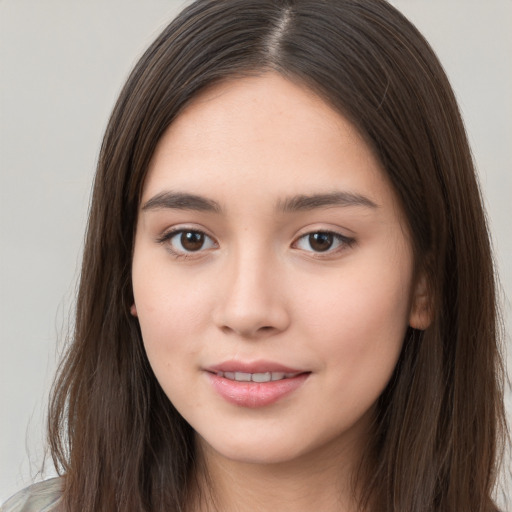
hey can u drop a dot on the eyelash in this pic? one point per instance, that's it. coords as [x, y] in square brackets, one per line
[167, 237]
[343, 242]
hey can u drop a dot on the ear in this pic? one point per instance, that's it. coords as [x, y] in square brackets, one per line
[133, 310]
[420, 316]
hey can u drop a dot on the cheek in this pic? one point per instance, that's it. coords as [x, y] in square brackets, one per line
[170, 322]
[360, 299]
[358, 323]
[169, 310]
[359, 331]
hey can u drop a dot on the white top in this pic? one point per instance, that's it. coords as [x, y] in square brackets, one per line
[40, 497]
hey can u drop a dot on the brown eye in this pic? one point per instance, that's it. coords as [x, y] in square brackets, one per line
[321, 242]
[192, 240]
[183, 242]
[328, 242]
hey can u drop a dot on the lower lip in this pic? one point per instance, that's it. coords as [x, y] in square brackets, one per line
[255, 394]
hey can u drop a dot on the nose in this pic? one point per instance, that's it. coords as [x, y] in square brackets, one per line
[252, 303]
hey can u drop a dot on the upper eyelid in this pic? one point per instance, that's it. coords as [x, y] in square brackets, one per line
[337, 232]
[321, 230]
[326, 227]
[179, 229]
[169, 232]
[329, 232]
[173, 230]
[166, 237]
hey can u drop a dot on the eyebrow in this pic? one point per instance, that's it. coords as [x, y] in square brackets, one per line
[329, 200]
[181, 201]
[302, 202]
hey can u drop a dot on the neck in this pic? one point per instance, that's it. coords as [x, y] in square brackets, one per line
[322, 481]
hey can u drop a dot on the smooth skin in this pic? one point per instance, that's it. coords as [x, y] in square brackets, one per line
[268, 231]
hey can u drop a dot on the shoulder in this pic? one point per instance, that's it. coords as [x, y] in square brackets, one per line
[40, 497]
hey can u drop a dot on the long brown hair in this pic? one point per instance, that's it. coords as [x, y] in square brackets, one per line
[115, 435]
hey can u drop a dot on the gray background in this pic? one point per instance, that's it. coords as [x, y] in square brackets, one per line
[62, 65]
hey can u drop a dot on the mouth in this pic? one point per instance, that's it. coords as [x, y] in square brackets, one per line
[255, 385]
[257, 377]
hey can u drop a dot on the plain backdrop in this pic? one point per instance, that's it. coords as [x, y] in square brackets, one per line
[63, 63]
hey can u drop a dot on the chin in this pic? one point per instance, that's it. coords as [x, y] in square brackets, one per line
[254, 450]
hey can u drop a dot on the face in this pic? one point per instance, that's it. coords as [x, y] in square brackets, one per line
[272, 272]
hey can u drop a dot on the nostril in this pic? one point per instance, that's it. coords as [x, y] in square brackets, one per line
[247, 332]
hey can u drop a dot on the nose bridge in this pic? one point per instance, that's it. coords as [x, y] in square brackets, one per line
[252, 299]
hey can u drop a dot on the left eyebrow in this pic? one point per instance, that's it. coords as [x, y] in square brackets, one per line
[329, 200]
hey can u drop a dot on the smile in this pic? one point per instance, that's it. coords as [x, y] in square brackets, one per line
[256, 377]
[255, 384]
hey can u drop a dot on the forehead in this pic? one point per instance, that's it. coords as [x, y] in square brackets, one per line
[265, 134]
[266, 106]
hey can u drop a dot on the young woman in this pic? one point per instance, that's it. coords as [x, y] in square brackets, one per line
[287, 295]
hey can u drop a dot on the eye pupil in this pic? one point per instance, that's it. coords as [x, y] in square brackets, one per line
[321, 241]
[192, 240]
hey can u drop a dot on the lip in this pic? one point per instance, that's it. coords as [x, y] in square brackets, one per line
[252, 367]
[254, 394]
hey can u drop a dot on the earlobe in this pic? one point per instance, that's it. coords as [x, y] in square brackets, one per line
[133, 310]
[421, 307]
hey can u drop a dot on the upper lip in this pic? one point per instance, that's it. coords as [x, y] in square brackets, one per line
[252, 367]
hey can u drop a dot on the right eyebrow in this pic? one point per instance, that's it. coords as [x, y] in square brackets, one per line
[181, 201]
